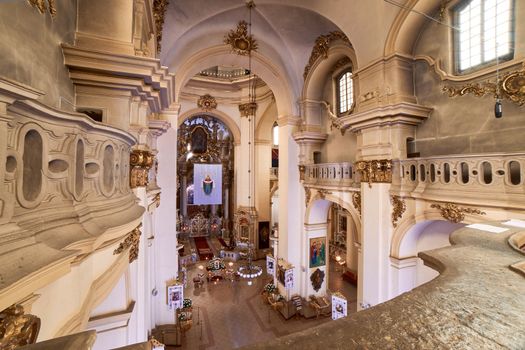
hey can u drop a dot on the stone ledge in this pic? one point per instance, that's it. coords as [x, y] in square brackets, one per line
[477, 302]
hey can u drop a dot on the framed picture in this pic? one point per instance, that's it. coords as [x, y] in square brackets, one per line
[280, 274]
[175, 295]
[264, 234]
[317, 252]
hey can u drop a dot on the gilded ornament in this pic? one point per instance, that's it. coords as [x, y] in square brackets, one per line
[159, 11]
[16, 328]
[398, 208]
[452, 212]
[42, 7]
[307, 196]
[132, 242]
[375, 170]
[302, 171]
[511, 87]
[240, 41]
[141, 161]
[356, 201]
[248, 109]
[207, 102]
[321, 46]
[323, 193]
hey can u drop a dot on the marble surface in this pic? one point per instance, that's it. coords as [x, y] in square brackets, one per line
[477, 302]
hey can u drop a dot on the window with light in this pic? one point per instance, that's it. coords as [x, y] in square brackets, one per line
[344, 92]
[484, 32]
[275, 135]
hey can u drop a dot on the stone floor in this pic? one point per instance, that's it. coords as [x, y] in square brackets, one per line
[228, 315]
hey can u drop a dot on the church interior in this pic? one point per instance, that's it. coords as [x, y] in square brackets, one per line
[262, 174]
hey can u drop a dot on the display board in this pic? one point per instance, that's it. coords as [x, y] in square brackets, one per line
[339, 306]
[288, 279]
[175, 296]
[207, 184]
[270, 265]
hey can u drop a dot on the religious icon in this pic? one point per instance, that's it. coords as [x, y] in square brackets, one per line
[207, 185]
[317, 252]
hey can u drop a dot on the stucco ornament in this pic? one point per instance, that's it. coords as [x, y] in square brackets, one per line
[452, 212]
[240, 41]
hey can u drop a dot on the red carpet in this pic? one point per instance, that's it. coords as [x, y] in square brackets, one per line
[203, 249]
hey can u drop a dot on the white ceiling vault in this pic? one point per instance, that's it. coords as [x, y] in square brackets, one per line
[284, 29]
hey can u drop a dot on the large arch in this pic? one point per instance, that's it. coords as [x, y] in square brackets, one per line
[407, 25]
[320, 70]
[273, 76]
[223, 117]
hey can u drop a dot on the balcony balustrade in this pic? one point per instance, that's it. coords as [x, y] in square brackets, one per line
[331, 174]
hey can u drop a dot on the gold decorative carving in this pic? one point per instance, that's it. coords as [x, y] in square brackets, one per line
[307, 196]
[302, 171]
[248, 109]
[42, 7]
[511, 87]
[156, 199]
[375, 170]
[398, 208]
[131, 241]
[159, 10]
[207, 102]
[140, 162]
[321, 46]
[16, 328]
[323, 193]
[341, 63]
[452, 212]
[356, 201]
[240, 41]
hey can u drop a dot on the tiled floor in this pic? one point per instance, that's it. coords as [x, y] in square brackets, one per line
[228, 315]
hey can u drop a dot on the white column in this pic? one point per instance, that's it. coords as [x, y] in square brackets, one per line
[376, 236]
[403, 275]
[314, 231]
[291, 200]
[246, 165]
[166, 257]
[263, 155]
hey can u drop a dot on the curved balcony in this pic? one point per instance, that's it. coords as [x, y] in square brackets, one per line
[66, 190]
[474, 178]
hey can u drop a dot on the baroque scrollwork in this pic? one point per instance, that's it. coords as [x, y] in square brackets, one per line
[356, 201]
[207, 102]
[240, 41]
[321, 46]
[307, 196]
[248, 109]
[140, 162]
[323, 193]
[454, 213]
[16, 328]
[132, 242]
[159, 11]
[375, 170]
[511, 87]
[398, 208]
[42, 7]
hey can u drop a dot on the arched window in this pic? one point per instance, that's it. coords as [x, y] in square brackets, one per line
[484, 33]
[345, 92]
[275, 135]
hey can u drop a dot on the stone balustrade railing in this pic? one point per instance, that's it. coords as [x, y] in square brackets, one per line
[66, 189]
[472, 178]
[330, 174]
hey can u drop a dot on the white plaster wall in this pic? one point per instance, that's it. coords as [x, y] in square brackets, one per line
[111, 339]
[117, 300]
[166, 260]
[63, 298]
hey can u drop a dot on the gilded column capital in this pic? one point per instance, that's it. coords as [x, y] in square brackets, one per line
[140, 161]
[248, 109]
[375, 170]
